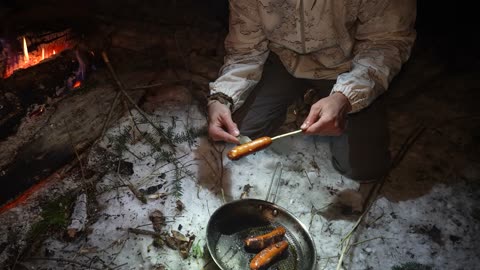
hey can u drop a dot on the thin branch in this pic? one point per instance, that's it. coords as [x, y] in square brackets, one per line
[118, 266]
[308, 178]
[167, 83]
[82, 171]
[66, 261]
[342, 254]
[368, 240]
[130, 186]
[145, 232]
[144, 180]
[121, 88]
[109, 116]
[312, 215]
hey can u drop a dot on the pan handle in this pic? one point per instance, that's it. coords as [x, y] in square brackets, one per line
[277, 174]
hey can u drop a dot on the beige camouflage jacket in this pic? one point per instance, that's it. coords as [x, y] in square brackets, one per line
[360, 43]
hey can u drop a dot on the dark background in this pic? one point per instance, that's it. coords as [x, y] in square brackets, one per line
[448, 29]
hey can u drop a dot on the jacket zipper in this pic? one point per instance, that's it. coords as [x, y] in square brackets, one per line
[302, 28]
[302, 37]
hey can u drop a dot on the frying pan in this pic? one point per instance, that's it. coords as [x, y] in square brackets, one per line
[231, 223]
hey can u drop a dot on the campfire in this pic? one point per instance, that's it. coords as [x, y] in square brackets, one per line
[30, 49]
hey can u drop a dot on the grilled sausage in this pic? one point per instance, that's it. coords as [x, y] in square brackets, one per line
[262, 241]
[267, 255]
[249, 148]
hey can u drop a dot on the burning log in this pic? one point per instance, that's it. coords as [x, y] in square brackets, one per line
[42, 143]
[32, 48]
[35, 85]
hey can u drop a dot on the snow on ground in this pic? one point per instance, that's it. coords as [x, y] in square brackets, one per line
[436, 229]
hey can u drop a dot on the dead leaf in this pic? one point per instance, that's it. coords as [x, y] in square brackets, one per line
[180, 206]
[159, 267]
[158, 242]
[184, 247]
[179, 236]
[158, 220]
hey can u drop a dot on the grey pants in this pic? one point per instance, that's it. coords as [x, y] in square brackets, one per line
[360, 153]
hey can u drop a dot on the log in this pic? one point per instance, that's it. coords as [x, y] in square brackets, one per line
[42, 143]
[79, 216]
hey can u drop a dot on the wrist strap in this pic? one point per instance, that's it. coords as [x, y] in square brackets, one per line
[222, 98]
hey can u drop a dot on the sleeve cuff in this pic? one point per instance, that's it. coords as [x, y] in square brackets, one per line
[222, 98]
[358, 97]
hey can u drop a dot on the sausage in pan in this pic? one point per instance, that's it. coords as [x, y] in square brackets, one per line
[267, 255]
[262, 241]
[249, 148]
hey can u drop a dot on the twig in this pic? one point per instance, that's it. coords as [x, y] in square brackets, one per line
[344, 251]
[308, 178]
[312, 215]
[223, 195]
[209, 262]
[67, 261]
[144, 179]
[208, 209]
[209, 164]
[109, 116]
[130, 186]
[82, 171]
[367, 240]
[118, 266]
[145, 232]
[17, 257]
[96, 258]
[328, 261]
[137, 193]
[168, 83]
[122, 90]
[329, 257]
[121, 248]
[220, 153]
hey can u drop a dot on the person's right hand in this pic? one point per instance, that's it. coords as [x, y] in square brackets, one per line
[220, 124]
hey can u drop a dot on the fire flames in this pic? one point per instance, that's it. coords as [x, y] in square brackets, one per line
[31, 58]
[77, 84]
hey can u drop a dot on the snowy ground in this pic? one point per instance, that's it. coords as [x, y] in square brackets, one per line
[437, 229]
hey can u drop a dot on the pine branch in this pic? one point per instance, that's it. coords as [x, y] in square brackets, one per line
[163, 139]
[120, 141]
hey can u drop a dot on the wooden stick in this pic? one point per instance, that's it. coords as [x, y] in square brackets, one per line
[65, 261]
[79, 216]
[145, 232]
[125, 94]
[110, 112]
[166, 83]
[286, 134]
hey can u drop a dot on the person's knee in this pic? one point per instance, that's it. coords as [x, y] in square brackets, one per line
[363, 171]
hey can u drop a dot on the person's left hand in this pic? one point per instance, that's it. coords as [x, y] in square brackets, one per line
[328, 116]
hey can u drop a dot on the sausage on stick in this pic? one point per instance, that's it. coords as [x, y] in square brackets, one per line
[256, 145]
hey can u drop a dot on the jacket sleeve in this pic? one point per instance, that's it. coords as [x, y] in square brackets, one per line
[246, 52]
[384, 38]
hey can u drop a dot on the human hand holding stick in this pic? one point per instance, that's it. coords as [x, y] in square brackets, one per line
[256, 145]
